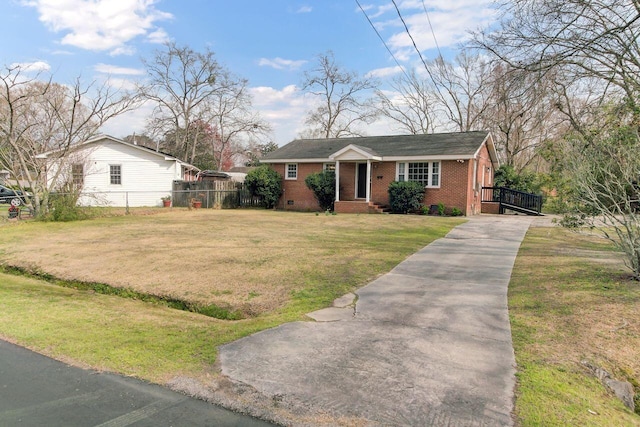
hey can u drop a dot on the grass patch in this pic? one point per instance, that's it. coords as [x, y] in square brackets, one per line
[273, 267]
[249, 261]
[111, 333]
[571, 299]
[211, 310]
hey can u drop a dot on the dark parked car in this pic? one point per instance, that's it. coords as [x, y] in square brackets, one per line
[8, 194]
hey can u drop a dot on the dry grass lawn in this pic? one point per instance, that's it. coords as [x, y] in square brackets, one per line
[253, 261]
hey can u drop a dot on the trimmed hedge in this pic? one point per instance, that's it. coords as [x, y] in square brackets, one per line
[405, 196]
[323, 185]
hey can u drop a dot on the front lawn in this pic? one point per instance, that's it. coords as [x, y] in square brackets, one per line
[571, 301]
[272, 267]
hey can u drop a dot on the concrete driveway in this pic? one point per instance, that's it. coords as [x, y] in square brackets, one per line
[429, 343]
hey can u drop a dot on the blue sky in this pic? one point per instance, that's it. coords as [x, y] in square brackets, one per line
[268, 42]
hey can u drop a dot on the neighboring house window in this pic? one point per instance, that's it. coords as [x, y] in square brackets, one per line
[329, 167]
[77, 174]
[426, 173]
[115, 174]
[292, 170]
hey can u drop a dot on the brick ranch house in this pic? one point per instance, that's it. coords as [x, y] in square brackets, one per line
[452, 166]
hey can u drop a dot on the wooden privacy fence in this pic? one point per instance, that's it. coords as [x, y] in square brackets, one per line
[213, 194]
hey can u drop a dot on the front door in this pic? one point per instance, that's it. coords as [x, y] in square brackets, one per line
[361, 188]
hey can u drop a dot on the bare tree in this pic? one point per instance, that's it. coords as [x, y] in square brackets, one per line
[461, 89]
[180, 82]
[229, 112]
[444, 95]
[520, 115]
[594, 40]
[606, 185]
[38, 116]
[190, 89]
[256, 151]
[342, 97]
[410, 104]
[591, 48]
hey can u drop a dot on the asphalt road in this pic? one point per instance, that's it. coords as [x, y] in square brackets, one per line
[38, 391]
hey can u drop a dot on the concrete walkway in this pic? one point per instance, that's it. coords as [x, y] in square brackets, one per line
[429, 343]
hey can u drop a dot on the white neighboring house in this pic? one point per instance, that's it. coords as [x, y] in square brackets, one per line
[112, 172]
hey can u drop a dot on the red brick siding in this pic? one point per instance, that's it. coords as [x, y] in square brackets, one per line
[491, 208]
[382, 174]
[484, 177]
[453, 186]
[351, 207]
[456, 184]
[295, 190]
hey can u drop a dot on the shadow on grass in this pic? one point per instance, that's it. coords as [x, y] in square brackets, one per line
[210, 310]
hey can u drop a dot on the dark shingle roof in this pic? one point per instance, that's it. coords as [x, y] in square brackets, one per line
[463, 144]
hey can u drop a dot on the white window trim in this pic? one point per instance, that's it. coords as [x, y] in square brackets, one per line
[286, 171]
[326, 167]
[430, 173]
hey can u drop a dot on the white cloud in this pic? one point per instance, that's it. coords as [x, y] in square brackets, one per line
[450, 22]
[120, 84]
[281, 64]
[101, 25]
[158, 36]
[61, 52]
[384, 72]
[31, 67]
[129, 122]
[123, 50]
[305, 9]
[114, 69]
[285, 109]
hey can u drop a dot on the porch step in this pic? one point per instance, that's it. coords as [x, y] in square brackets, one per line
[378, 208]
[360, 207]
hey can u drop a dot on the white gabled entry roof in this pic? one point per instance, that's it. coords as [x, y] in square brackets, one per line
[355, 152]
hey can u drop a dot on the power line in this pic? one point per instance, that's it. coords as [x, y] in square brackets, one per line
[426, 66]
[424, 6]
[406, 27]
[382, 40]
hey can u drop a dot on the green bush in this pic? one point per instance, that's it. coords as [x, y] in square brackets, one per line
[556, 205]
[63, 206]
[506, 176]
[456, 212]
[405, 196]
[323, 185]
[265, 183]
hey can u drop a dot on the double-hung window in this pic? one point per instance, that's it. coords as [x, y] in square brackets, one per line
[426, 173]
[291, 171]
[115, 174]
[329, 167]
[77, 174]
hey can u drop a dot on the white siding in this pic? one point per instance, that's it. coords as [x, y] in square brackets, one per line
[350, 155]
[146, 176]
